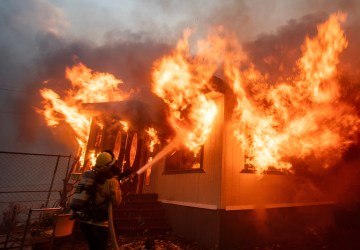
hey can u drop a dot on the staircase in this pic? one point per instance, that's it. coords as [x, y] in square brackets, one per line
[141, 214]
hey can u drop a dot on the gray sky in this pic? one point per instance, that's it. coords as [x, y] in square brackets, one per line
[39, 37]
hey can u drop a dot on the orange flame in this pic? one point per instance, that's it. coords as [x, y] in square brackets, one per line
[92, 157]
[180, 80]
[87, 86]
[154, 139]
[91, 87]
[303, 117]
[125, 125]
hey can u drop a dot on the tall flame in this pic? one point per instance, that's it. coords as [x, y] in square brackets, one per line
[180, 80]
[301, 118]
[87, 86]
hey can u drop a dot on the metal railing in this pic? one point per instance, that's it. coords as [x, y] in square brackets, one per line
[29, 181]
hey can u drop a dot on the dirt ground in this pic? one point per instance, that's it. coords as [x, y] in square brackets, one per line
[342, 235]
[335, 240]
[170, 242]
[151, 242]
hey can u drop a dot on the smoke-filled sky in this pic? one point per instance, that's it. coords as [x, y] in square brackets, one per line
[39, 38]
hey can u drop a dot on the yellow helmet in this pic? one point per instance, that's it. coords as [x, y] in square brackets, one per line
[104, 161]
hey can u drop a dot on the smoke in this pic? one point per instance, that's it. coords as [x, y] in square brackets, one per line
[18, 48]
[275, 55]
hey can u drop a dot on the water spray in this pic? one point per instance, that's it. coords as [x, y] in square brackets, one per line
[165, 151]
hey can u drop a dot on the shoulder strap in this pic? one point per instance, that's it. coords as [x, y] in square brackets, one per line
[92, 197]
[92, 190]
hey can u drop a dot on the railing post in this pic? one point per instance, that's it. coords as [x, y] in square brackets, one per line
[52, 181]
[26, 229]
[10, 226]
[68, 165]
[63, 193]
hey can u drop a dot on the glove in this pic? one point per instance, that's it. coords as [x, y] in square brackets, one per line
[127, 173]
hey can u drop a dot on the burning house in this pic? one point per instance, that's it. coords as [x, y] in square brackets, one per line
[226, 157]
[126, 128]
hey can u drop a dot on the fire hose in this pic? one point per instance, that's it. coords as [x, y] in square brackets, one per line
[166, 150]
[112, 228]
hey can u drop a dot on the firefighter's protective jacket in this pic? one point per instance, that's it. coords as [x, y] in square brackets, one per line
[108, 191]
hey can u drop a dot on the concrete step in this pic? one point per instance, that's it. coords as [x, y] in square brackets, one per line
[140, 204]
[133, 213]
[143, 230]
[141, 221]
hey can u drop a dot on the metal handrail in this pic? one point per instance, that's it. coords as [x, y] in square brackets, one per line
[29, 217]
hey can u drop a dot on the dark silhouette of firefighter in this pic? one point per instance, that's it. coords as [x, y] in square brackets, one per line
[96, 189]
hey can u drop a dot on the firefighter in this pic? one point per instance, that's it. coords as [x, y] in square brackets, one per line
[95, 226]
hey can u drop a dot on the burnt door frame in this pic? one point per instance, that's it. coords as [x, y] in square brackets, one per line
[124, 158]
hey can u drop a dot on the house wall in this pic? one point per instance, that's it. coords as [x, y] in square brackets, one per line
[195, 189]
[288, 227]
[192, 200]
[223, 186]
[223, 208]
[196, 224]
[251, 191]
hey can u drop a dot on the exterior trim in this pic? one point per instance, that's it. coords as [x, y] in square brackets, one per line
[190, 204]
[279, 205]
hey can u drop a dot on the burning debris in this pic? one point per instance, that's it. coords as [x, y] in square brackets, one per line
[299, 119]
